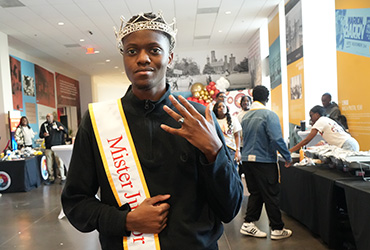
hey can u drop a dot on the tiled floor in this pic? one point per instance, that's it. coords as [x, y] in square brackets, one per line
[29, 221]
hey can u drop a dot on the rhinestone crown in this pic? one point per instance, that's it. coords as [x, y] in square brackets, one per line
[127, 28]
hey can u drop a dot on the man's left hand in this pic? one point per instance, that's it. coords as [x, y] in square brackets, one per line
[200, 131]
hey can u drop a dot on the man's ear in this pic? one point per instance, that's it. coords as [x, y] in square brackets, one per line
[170, 58]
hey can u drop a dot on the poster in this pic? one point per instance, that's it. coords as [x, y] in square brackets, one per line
[294, 35]
[68, 93]
[45, 91]
[16, 80]
[353, 31]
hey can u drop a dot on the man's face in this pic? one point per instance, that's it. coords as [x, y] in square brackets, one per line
[245, 104]
[221, 97]
[146, 57]
[325, 100]
[49, 118]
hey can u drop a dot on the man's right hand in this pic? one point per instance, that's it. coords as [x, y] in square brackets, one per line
[46, 134]
[150, 216]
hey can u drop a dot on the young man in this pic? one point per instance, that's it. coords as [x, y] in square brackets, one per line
[166, 180]
[262, 138]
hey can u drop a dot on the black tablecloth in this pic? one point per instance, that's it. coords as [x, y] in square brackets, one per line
[307, 194]
[357, 195]
[25, 174]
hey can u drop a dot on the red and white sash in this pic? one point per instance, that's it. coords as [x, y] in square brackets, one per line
[121, 165]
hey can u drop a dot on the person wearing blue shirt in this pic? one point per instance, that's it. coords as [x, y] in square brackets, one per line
[262, 138]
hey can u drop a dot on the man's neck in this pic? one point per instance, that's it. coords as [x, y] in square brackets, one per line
[153, 94]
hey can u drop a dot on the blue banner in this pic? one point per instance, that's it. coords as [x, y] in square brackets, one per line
[353, 31]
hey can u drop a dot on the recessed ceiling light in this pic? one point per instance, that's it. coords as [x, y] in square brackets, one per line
[107, 60]
[227, 12]
[116, 67]
[220, 31]
[97, 52]
[82, 40]
[60, 23]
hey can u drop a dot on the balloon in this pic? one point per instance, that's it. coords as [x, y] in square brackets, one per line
[196, 87]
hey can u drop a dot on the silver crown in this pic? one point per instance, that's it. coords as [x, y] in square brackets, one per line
[127, 28]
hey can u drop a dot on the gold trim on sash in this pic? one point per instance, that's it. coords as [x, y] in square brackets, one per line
[121, 165]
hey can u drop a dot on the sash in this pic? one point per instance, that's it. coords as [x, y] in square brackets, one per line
[121, 165]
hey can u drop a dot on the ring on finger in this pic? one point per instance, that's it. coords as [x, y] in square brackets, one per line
[181, 120]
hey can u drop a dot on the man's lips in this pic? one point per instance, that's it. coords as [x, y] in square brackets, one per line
[144, 70]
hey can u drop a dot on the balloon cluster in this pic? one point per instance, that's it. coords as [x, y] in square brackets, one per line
[203, 94]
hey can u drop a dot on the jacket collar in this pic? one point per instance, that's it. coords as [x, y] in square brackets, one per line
[257, 105]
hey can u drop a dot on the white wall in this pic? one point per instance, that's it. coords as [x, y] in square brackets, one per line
[319, 51]
[6, 101]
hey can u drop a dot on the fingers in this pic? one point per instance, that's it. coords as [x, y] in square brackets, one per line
[182, 109]
[158, 198]
[209, 116]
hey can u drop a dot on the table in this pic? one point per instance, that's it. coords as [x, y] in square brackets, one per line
[65, 153]
[308, 194]
[357, 196]
[20, 175]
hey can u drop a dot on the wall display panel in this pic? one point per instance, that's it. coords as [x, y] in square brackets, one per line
[277, 103]
[353, 31]
[68, 93]
[353, 61]
[45, 91]
[275, 68]
[296, 92]
[295, 68]
[204, 66]
[16, 81]
[294, 30]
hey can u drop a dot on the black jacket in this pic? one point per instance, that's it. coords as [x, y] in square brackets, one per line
[56, 136]
[202, 194]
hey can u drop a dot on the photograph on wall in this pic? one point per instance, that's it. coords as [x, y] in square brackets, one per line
[296, 87]
[45, 92]
[255, 65]
[275, 64]
[294, 35]
[209, 66]
[353, 31]
[16, 81]
[28, 86]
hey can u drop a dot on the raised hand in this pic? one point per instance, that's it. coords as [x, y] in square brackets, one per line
[197, 129]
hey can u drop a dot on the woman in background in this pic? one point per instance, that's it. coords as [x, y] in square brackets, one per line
[330, 130]
[24, 134]
[231, 129]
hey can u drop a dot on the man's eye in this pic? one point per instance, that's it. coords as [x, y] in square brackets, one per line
[156, 50]
[131, 51]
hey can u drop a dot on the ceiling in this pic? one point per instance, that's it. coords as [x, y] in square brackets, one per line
[32, 28]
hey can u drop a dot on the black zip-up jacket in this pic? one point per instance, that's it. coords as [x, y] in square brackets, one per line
[56, 136]
[202, 194]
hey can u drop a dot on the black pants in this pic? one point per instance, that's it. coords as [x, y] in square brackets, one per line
[263, 184]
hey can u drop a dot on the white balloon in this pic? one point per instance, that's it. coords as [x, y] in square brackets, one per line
[222, 84]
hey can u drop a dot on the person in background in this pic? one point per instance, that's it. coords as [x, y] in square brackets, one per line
[186, 185]
[221, 96]
[331, 109]
[245, 104]
[262, 138]
[24, 134]
[231, 128]
[53, 132]
[330, 130]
